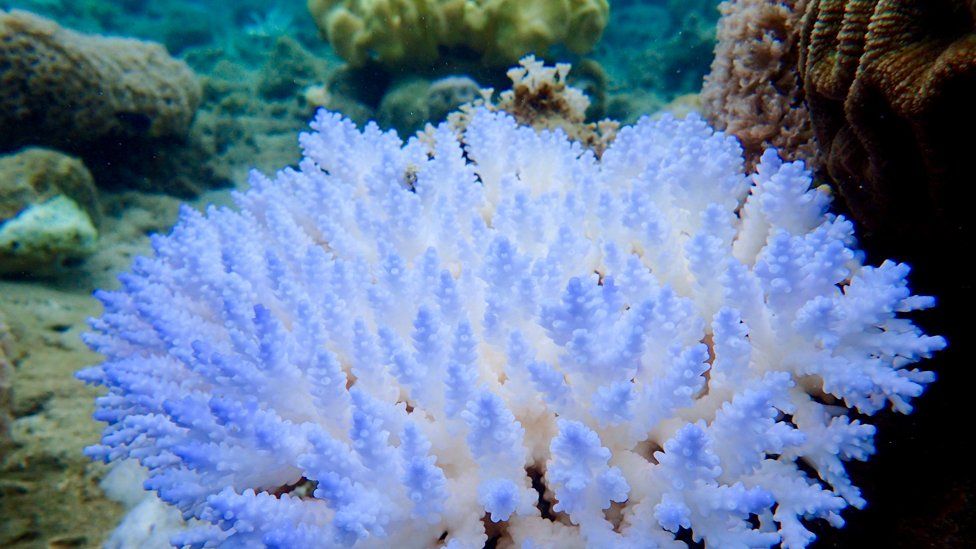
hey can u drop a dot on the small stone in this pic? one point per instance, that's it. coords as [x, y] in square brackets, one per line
[46, 238]
[36, 174]
[49, 212]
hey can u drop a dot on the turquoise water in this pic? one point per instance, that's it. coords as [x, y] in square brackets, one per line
[652, 51]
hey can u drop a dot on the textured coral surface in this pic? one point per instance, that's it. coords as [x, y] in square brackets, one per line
[413, 32]
[497, 336]
[890, 87]
[66, 89]
[753, 90]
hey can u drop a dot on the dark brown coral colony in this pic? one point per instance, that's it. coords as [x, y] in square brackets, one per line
[891, 90]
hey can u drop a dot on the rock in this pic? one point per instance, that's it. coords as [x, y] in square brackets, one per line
[49, 212]
[52, 422]
[366, 85]
[34, 175]
[46, 237]
[70, 90]
[290, 68]
[444, 96]
[6, 382]
[412, 103]
[125, 106]
[404, 107]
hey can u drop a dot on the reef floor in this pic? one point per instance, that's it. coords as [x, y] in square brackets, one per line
[49, 491]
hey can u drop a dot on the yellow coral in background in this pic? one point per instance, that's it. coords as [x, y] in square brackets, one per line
[411, 32]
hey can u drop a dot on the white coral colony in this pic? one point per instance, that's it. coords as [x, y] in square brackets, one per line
[493, 333]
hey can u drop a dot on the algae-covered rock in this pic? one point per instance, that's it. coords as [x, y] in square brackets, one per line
[6, 382]
[290, 68]
[49, 490]
[410, 104]
[49, 212]
[415, 33]
[70, 90]
[46, 237]
[444, 96]
[403, 106]
[34, 175]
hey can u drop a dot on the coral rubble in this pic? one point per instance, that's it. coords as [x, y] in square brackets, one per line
[49, 212]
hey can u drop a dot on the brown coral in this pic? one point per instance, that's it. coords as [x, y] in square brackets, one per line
[753, 90]
[891, 88]
[70, 90]
[540, 97]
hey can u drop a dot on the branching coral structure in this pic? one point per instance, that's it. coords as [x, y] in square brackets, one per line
[492, 334]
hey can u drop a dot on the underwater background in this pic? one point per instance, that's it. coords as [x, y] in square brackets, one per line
[238, 81]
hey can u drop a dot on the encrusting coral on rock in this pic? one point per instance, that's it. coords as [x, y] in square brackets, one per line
[401, 33]
[753, 90]
[69, 90]
[491, 335]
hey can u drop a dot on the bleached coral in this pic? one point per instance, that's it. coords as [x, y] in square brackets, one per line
[398, 344]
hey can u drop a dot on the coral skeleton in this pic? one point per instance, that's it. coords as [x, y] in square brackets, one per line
[492, 334]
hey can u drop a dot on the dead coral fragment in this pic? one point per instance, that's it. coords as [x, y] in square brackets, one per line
[541, 98]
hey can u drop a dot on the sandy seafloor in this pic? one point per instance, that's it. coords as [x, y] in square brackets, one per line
[49, 491]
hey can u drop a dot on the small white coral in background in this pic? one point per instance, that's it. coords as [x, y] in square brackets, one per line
[398, 344]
